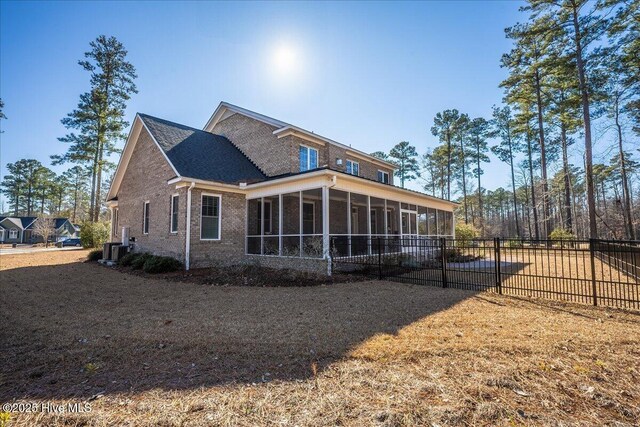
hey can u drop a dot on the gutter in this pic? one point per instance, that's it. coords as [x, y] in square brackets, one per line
[187, 249]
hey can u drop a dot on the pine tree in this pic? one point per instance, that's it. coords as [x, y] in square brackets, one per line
[503, 127]
[404, 156]
[99, 117]
[444, 127]
[479, 131]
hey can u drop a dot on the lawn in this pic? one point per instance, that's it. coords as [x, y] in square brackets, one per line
[147, 351]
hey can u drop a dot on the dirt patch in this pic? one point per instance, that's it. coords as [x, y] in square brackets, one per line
[148, 351]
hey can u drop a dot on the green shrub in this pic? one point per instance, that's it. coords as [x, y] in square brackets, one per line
[561, 234]
[95, 255]
[138, 262]
[94, 234]
[128, 259]
[465, 233]
[161, 264]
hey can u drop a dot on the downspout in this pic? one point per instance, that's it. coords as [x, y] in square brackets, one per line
[187, 249]
[325, 220]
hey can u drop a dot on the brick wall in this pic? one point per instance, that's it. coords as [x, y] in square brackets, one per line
[277, 156]
[230, 248]
[146, 179]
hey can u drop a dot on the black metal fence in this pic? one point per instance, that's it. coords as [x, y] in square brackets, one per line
[598, 272]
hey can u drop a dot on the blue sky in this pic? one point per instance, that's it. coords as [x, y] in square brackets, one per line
[365, 74]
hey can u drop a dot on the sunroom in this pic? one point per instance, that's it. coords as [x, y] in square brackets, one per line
[327, 213]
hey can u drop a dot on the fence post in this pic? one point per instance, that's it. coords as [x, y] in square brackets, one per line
[379, 258]
[593, 271]
[443, 260]
[498, 260]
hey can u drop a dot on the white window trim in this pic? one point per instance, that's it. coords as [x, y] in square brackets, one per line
[388, 177]
[353, 162]
[13, 233]
[145, 212]
[219, 196]
[171, 230]
[309, 156]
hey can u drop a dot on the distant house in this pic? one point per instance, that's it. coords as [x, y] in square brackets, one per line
[20, 229]
[251, 188]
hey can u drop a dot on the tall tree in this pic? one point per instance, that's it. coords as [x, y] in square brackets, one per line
[479, 131]
[76, 177]
[461, 131]
[583, 24]
[99, 117]
[503, 128]
[405, 157]
[444, 127]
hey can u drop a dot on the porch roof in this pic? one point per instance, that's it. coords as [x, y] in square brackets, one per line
[321, 177]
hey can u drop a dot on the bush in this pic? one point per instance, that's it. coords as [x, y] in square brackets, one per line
[94, 234]
[561, 234]
[128, 259]
[161, 264]
[465, 233]
[138, 262]
[95, 255]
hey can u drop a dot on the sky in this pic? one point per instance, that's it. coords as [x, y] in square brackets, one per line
[366, 74]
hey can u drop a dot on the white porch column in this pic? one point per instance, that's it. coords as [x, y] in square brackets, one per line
[326, 244]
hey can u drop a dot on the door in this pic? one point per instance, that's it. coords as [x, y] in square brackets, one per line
[408, 227]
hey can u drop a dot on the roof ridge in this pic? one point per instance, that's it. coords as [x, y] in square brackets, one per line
[142, 115]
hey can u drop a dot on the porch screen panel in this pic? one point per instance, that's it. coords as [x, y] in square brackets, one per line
[432, 222]
[312, 223]
[377, 217]
[253, 226]
[440, 215]
[291, 224]
[422, 221]
[448, 223]
[359, 219]
[338, 222]
[271, 225]
[393, 218]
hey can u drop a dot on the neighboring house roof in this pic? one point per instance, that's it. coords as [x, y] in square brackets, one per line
[201, 155]
[12, 222]
[27, 221]
[225, 109]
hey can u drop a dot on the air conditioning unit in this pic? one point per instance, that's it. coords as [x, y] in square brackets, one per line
[118, 251]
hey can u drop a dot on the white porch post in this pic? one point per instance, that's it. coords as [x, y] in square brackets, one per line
[325, 222]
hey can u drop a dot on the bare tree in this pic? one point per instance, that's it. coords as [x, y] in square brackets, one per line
[44, 227]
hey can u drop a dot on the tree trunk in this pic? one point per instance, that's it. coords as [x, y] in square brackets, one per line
[480, 213]
[464, 182]
[533, 190]
[448, 167]
[543, 160]
[588, 150]
[513, 185]
[568, 220]
[631, 235]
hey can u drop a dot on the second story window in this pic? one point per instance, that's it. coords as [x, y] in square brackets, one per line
[308, 158]
[383, 177]
[145, 219]
[353, 168]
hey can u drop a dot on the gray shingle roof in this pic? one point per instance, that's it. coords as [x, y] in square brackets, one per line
[202, 155]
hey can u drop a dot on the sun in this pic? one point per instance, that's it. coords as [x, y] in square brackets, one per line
[286, 60]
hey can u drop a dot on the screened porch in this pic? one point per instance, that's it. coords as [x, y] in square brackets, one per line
[293, 224]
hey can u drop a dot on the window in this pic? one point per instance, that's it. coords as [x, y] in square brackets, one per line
[308, 218]
[13, 233]
[308, 158]
[174, 212]
[145, 220]
[353, 168]
[210, 218]
[383, 177]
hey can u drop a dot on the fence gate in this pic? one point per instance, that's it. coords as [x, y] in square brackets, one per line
[598, 272]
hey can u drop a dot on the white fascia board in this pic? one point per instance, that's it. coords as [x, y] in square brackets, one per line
[183, 181]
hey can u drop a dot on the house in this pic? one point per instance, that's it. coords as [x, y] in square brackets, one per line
[250, 188]
[20, 229]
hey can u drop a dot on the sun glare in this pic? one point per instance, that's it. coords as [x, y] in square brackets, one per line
[286, 60]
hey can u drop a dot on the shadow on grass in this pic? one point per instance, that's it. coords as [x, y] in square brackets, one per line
[75, 330]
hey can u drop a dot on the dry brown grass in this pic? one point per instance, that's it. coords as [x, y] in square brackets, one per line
[156, 352]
